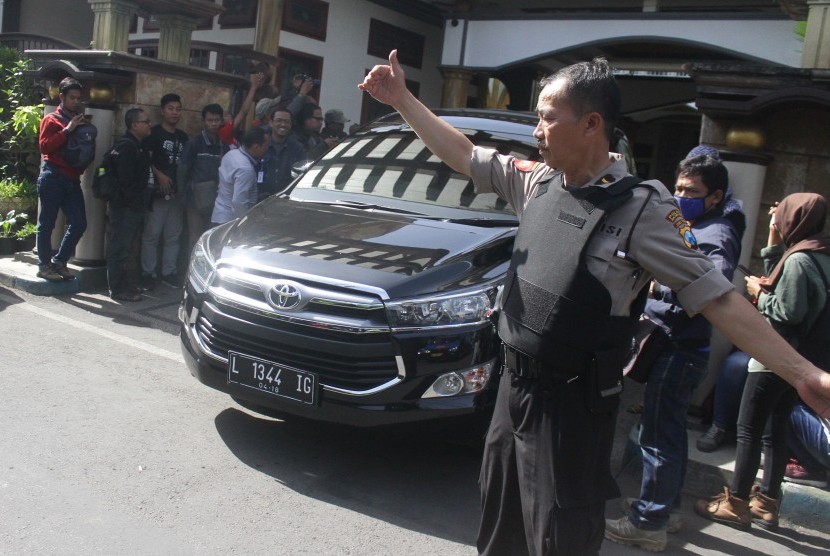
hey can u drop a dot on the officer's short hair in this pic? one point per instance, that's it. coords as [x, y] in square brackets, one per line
[711, 171]
[591, 87]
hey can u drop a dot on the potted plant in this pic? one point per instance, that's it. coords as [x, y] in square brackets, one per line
[26, 236]
[9, 227]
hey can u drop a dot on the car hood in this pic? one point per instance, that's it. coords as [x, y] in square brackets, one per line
[400, 254]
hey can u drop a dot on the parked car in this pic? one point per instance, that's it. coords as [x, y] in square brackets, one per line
[363, 294]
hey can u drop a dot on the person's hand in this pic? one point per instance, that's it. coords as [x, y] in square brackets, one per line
[257, 79]
[164, 183]
[76, 120]
[814, 389]
[753, 286]
[386, 84]
[331, 141]
[306, 87]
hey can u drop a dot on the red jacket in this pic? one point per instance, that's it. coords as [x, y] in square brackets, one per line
[51, 141]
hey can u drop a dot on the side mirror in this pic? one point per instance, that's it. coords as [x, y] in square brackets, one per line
[300, 167]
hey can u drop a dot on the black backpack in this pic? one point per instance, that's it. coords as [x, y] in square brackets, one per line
[79, 151]
[814, 345]
[105, 184]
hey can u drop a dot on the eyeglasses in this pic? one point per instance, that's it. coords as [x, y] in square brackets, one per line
[142, 121]
[316, 117]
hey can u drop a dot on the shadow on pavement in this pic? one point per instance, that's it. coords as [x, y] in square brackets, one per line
[9, 297]
[402, 478]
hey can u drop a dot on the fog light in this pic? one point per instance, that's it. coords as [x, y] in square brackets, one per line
[467, 381]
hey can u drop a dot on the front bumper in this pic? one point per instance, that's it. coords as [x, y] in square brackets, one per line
[382, 397]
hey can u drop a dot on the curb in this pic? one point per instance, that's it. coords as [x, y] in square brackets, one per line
[20, 272]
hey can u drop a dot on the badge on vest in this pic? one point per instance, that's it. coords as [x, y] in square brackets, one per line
[683, 228]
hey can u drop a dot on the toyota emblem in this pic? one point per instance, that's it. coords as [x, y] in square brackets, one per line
[285, 296]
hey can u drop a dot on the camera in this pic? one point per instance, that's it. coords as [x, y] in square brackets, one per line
[306, 77]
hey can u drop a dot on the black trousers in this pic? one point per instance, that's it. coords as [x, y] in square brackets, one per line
[546, 474]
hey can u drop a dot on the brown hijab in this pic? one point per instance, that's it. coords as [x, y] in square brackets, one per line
[799, 219]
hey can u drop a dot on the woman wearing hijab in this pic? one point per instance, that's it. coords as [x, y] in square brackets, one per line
[791, 298]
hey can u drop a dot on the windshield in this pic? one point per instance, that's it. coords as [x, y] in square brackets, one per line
[394, 167]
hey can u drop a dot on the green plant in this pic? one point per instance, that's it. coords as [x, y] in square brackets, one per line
[27, 230]
[11, 188]
[13, 220]
[20, 115]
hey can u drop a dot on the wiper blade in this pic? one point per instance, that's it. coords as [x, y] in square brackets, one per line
[484, 222]
[373, 206]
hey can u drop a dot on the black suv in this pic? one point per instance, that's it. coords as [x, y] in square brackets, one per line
[363, 294]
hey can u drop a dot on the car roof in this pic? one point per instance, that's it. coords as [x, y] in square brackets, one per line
[506, 123]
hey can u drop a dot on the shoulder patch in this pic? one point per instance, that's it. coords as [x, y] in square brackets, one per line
[683, 228]
[524, 165]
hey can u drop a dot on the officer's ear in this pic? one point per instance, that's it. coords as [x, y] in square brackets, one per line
[594, 123]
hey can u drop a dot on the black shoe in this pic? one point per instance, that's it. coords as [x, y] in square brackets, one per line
[48, 272]
[126, 296]
[712, 440]
[171, 281]
[148, 283]
[61, 269]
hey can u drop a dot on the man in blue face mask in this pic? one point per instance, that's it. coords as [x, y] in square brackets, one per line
[700, 192]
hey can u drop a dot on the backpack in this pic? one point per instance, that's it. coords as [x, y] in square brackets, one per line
[813, 345]
[79, 151]
[105, 184]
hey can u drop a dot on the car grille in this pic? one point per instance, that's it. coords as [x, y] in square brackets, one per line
[354, 362]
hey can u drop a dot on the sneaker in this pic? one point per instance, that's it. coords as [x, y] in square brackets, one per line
[800, 475]
[712, 440]
[675, 523]
[148, 282]
[126, 296]
[725, 508]
[622, 531]
[171, 281]
[764, 509]
[60, 268]
[48, 272]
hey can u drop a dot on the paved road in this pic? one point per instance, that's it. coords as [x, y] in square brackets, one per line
[109, 446]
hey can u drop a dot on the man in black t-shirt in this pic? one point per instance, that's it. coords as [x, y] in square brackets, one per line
[166, 218]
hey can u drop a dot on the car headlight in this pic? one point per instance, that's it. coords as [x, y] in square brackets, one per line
[465, 308]
[201, 267]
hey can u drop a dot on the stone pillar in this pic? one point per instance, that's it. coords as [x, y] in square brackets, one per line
[456, 84]
[816, 53]
[111, 27]
[268, 25]
[175, 33]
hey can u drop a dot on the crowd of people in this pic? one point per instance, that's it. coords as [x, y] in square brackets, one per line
[570, 302]
[171, 187]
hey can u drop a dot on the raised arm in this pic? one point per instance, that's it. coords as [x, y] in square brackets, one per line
[256, 80]
[738, 320]
[386, 83]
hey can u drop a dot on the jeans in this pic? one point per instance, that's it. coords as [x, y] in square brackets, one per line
[765, 407]
[126, 225]
[663, 438]
[728, 391]
[807, 439]
[57, 192]
[165, 221]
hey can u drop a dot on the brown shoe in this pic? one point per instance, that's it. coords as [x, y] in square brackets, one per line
[725, 508]
[764, 509]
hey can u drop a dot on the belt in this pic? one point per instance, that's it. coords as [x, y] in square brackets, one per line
[522, 365]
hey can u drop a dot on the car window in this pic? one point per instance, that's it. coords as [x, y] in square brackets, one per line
[396, 165]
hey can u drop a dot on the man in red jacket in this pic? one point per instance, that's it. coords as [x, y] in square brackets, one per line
[59, 184]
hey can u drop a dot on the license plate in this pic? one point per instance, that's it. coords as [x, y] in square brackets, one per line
[273, 378]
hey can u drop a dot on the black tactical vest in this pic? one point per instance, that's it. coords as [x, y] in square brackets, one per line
[554, 310]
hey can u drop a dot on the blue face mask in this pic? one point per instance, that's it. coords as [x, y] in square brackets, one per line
[691, 209]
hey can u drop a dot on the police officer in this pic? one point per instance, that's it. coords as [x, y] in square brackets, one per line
[578, 267]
